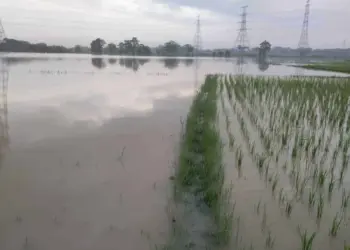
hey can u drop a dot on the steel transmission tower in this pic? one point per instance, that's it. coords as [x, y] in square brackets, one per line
[303, 45]
[242, 43]
[197, 38]
[2, 33]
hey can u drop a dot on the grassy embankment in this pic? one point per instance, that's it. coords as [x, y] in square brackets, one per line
[343, 67]
[199, 177]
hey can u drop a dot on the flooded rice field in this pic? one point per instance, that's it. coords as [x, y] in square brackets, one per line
[287, 156]
[89, 146]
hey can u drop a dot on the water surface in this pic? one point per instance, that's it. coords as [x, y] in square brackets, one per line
[88, 145]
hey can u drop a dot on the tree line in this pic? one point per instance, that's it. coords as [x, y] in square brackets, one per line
[99, 46]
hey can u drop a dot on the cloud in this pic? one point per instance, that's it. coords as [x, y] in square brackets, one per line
[155, 21]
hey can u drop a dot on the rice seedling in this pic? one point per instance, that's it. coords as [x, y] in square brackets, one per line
[281, 197]
[288, 208]
[320, 208]
[231, 141]
[270, 241]
[264, 220]
[284, 167]
[258, 208]
[322, 177]
[261, 161]
[312, 196]
[274, 184]
[345, 200]
[335, 226]
[346, 247]
[306, 239]
[239, 157]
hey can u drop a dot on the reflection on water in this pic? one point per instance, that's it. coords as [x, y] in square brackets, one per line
[189, 61]
[112, 61]
[4, 127]
[132, 63]
[240, 65]
[98, 63]
[171, 63]
[263, 64]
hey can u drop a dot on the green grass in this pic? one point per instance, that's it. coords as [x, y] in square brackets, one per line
[200, 172]
[343, 67]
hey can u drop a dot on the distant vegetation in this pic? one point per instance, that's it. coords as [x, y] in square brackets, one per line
[134, 47]
[343, 66]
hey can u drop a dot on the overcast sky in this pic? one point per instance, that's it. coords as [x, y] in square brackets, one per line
[71, 22]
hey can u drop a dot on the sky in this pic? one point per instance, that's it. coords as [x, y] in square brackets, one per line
[153, 22]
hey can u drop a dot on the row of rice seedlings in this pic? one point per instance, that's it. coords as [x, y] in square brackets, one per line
[200, 172]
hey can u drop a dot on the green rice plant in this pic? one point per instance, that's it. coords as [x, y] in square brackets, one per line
[313, 154]
[221, 87]
[239, 157]
[312, 198]
[231, 141]
[331, 186]
[320, 207]
[270, 241]
[294, 152]
[335, 225]
[261, 161]
[345, 200]
[281, 197]
[264, 220]
[267, 173]
[252, 149]
[228, 123]
[284, 167]
[322, 177]
[346, 247]
[258, 208]
[274, 184]
[288, 208]
[306, 239]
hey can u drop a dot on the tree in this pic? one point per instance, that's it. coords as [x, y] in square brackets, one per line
[189, 49]
[171, 48]
[134, 44]
[97, 46]
[214, 54]
[77, 49]
[111, 49]
[227, 53]
[128, 49]
[144, 50]
[265, 47]
[121, 47]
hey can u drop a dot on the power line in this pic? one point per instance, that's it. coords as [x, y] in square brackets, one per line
[242, 42]
[2, 33]
[198, 38]
[304, 37]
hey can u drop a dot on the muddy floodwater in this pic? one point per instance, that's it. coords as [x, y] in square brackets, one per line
[88, 146]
